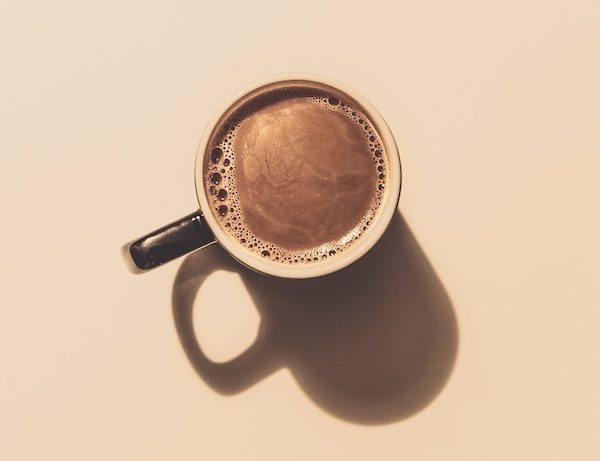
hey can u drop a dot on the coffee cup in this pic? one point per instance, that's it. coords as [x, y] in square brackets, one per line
[298, 176]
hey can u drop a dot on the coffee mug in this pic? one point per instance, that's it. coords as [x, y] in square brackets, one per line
[296, 177]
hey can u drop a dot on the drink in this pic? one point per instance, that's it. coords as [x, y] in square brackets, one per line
[295, 171]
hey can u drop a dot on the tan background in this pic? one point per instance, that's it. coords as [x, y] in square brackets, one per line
[489, 351]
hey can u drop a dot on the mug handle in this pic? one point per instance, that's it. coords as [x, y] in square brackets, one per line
[167, 243]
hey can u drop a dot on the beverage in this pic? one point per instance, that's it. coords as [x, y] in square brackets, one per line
[295, 171]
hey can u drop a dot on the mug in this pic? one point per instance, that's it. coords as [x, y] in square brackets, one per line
[198, 229]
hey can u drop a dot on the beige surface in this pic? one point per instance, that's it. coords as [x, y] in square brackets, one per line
[495, 106]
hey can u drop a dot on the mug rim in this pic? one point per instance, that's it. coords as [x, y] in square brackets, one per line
[381, 220]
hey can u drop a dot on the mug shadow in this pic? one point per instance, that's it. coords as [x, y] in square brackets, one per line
[372, 344]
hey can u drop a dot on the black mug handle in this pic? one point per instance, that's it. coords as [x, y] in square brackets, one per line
[169, 242]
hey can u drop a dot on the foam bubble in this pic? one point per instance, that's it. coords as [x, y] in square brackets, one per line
[216, 155]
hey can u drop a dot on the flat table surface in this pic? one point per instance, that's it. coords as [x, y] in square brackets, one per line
[469, 333]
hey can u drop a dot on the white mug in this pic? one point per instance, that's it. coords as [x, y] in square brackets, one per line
[199, 229]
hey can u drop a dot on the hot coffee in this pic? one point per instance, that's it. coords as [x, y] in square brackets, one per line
[295, 172]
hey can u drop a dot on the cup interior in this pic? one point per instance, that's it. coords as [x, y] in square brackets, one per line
[379, 222]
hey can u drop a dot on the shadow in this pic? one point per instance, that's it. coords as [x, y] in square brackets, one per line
[372, 344]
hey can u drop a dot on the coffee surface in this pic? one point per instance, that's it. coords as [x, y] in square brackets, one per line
[295, 176]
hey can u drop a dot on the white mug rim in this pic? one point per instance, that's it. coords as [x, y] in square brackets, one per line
[380, 222]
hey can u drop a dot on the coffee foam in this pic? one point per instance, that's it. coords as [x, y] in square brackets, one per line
[224, 197]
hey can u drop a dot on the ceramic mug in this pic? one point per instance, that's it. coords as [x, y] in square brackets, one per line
[199, 229]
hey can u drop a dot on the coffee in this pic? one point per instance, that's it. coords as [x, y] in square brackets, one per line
[295, 172]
